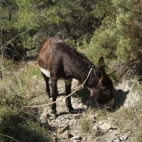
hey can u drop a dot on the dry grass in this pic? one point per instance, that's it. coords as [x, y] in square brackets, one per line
[19, 88]
[126, 119]
[22, 85]
[85, 123]
[130, 120]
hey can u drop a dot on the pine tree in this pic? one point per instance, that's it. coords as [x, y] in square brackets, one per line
[129, 27]
[120, 35]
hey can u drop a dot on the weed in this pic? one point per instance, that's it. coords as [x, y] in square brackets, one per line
[85, 123]
[16, 91]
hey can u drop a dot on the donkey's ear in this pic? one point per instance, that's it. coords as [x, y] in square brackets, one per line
[101, 67]
[101, 62]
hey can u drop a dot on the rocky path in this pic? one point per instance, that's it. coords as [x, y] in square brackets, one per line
[88, 124]
[83, 125]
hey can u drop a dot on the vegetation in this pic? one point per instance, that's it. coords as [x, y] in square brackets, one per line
[112, 28]
[108, 27]
[16, 89]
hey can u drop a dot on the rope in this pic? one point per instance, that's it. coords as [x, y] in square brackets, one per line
[76, 89]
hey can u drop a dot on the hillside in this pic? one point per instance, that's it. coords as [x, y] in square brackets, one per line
[22, 85]
[108, 28]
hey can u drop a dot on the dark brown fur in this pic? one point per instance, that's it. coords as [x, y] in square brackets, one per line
[65, 62]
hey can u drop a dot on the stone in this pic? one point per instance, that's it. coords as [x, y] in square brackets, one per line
[116, 140]
[90, 139]
[76, 139]
[44, 116]
[95, 128]
[77, 116]
[64, 135]
[124, 137]
[92, 117]
[84, 106]
[101, 122]
[105, 127]
[80, 105]
[84, 139]
[71, 122]
[62, 130]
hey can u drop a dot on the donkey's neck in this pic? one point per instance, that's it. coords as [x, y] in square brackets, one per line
[93, 78]
[81, 72]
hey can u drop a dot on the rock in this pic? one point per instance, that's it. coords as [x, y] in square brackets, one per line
[101, 122]
[90, 139]
[77, 116]
[44, 116]
[108, 141]
[117, 140]
[95, 128]
[92, 117]
[114, 133]
[63, 133]
[105, 127]
[80, 105]
[62, 130]
[84, 139]
[71, 122]
[123, 138]
[84, 106]
[54, 139]
[76, 139]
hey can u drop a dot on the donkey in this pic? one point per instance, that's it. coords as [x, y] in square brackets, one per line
[57, 60]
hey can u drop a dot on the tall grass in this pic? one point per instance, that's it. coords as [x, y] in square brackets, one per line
[17, 89]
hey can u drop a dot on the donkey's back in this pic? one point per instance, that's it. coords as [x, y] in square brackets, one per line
[56, 57]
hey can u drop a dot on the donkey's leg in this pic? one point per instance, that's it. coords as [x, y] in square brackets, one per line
[47, 84]
[54, 94]
[68, 91]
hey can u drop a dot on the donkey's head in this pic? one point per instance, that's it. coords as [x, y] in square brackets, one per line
[103, 92]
